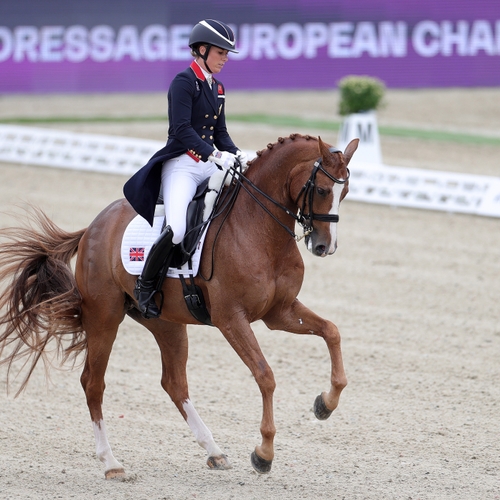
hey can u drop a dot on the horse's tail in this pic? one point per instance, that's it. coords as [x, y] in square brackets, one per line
[39, 299]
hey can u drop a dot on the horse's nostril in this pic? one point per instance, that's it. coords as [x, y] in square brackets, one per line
[320, 249]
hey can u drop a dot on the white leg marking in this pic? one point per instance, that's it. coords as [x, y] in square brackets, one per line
[200, 430]
[103, 449]
[337, 191]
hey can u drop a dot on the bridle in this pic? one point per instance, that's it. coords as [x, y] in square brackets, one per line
[304, 220]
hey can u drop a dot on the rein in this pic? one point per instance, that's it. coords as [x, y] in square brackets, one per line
[303, 219]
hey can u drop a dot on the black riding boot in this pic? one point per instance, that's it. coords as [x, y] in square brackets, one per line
[151, 279]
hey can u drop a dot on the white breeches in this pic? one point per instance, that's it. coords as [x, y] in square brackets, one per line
[180, 178]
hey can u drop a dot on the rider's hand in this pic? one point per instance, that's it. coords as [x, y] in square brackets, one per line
[223, 159]
[243, 158]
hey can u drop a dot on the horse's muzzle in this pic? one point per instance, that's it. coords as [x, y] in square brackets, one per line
[318, 247]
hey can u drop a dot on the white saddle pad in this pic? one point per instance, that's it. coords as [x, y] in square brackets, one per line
[140, 236]
[138, 240]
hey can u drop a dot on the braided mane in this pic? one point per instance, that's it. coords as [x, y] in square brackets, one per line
[281, 140]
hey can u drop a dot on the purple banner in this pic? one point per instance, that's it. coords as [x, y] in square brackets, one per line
[125, 45]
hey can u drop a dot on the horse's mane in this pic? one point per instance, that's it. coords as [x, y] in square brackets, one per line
[280, 141]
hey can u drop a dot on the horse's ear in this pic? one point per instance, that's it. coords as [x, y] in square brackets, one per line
[323, 149]
[350, 149]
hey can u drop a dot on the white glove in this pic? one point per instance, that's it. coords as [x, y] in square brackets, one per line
[223, 159]
[243, 158]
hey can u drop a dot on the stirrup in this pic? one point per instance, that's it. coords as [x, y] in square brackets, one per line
[144, 293]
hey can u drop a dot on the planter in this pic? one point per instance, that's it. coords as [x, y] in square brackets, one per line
[362, 126]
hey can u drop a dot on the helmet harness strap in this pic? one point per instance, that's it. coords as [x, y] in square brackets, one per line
[207, 46]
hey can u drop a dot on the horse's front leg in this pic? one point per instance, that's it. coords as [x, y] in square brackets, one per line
[299, 319]
[172, 340]
[242, 339]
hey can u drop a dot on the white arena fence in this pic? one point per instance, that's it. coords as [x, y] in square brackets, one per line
[58, 148]
[370, 183]
[426, 189]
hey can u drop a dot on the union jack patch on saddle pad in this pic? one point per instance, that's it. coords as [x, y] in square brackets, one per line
[136, 254]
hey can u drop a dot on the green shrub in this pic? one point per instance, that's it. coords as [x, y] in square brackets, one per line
[360, 93]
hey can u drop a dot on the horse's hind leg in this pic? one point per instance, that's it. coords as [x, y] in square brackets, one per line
[173, 343]
[300, 319]
[100, 320]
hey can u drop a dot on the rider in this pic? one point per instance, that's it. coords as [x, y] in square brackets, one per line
[198, 143]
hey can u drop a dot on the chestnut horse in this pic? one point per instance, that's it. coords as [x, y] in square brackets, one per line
[252, 269]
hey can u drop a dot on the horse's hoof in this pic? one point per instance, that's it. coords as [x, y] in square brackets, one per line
[320, 410]
[115, 474]
[219, 463]
[261, 465]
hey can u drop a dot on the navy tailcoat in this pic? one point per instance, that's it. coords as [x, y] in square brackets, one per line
[197, 123]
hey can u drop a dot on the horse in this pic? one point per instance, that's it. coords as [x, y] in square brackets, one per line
[251, 269]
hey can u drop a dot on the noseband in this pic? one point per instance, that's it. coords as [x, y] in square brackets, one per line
[306, 220]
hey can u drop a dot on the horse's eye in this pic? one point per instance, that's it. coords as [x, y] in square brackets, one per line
[320, 191]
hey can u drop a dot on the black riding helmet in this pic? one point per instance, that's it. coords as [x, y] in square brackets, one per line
[211, 32]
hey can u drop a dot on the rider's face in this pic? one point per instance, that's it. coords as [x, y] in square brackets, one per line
[216, 59]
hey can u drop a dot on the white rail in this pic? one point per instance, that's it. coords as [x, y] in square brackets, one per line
[398, 186]
[427, 189]
[57, 148]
